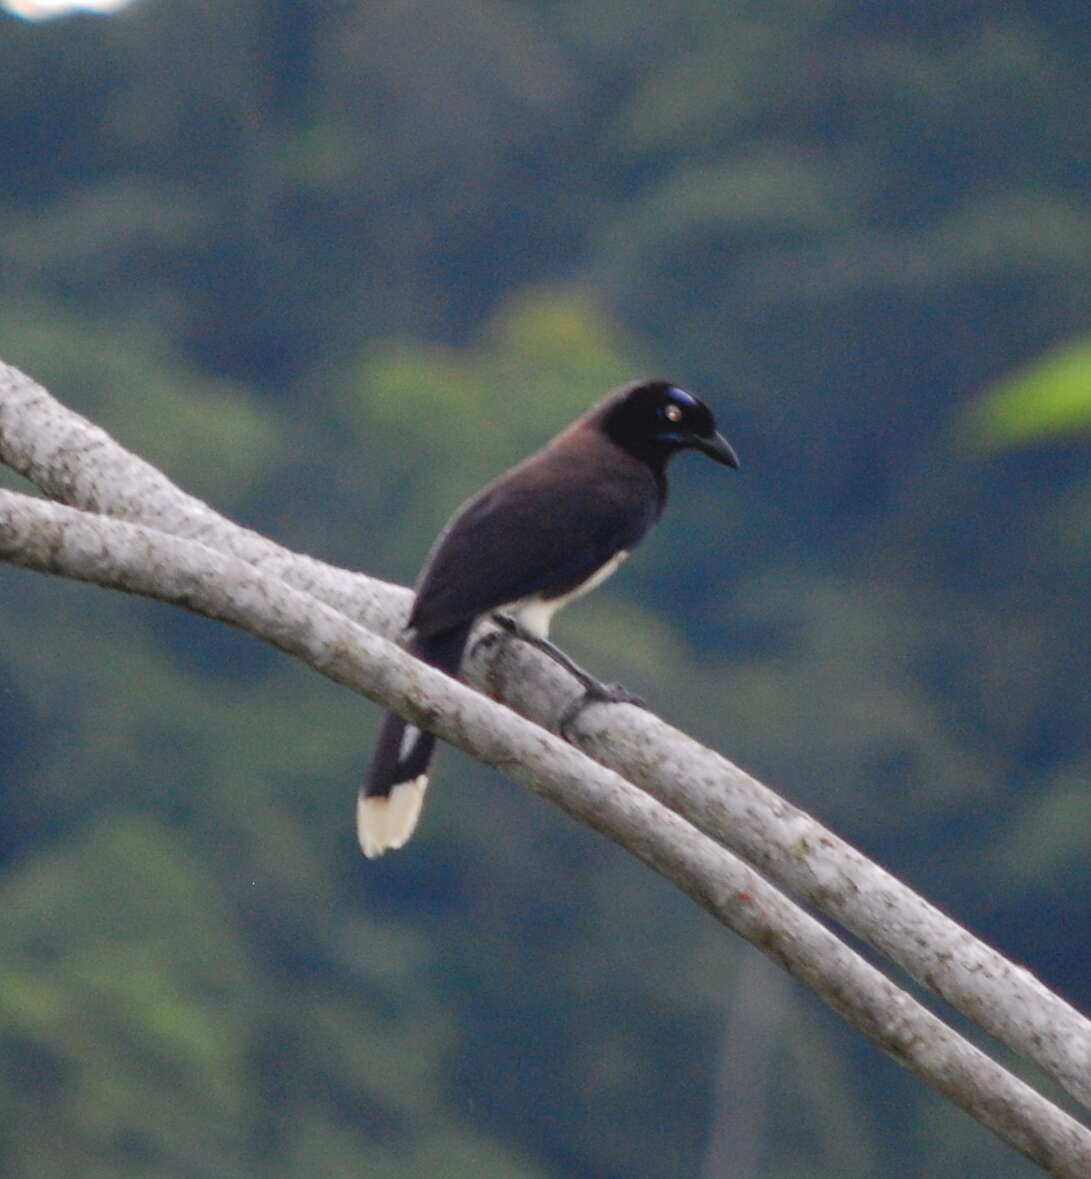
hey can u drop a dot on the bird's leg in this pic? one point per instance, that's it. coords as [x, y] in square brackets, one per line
[506, 622]
[594, 691]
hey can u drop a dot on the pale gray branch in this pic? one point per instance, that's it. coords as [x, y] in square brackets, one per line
[73, 461]
[68, 542]
[796, 851]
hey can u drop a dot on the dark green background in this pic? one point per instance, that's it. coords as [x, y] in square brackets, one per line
[332, 265]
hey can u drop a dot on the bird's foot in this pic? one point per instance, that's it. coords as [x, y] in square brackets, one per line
[489, 639]
[508, 627]
[596, 692]
[506, 622]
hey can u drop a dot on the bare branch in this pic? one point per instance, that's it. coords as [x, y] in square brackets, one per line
[792, 848]
[56, 539]
[73, 461]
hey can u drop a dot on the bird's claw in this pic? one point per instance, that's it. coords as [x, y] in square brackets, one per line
[597, 692]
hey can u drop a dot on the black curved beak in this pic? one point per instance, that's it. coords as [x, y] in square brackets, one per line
[717, 447]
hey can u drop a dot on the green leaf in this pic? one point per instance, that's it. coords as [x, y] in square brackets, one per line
[1049, 399]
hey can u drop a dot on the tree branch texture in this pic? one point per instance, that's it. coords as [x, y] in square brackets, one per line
[126, 526]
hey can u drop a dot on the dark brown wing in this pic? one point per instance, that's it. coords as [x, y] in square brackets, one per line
[544, 527]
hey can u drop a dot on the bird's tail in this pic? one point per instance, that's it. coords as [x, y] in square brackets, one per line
[389, 802]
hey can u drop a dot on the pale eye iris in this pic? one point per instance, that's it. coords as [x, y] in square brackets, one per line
[672, 413]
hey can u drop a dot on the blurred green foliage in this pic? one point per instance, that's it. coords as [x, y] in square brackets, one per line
[334, 266]
[1048, 400]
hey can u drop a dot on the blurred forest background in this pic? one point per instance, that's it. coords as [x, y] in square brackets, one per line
[332, 265]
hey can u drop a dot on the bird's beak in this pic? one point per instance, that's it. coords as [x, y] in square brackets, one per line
[717, 447]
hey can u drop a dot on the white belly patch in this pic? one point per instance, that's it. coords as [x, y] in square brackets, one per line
[535, 613]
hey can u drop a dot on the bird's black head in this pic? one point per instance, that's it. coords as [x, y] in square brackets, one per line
[655, 419]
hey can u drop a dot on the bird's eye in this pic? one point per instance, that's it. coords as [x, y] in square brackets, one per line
[672, 413]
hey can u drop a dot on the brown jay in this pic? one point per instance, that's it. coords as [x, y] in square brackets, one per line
[547, 531]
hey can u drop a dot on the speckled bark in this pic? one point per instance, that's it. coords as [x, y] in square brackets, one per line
[130, 528]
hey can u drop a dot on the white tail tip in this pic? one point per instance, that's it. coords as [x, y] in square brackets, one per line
[385, 821]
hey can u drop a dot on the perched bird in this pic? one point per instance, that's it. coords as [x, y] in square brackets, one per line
[547, 531]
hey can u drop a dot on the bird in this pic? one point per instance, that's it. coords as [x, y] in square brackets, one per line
[547, 531]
